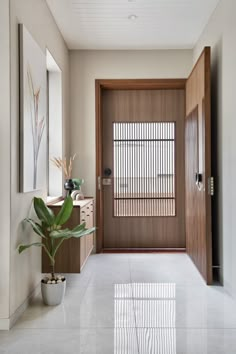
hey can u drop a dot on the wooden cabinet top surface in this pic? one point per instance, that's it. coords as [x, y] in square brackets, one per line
[76, 203]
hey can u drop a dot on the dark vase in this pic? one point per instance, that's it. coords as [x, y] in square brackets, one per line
[69, 186]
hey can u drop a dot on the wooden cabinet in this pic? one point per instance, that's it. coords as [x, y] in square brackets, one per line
[87, 242]
[73, 253]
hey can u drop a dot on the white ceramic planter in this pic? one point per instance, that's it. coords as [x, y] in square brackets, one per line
[53, 294]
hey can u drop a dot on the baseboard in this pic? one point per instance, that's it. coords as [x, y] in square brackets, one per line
[8, 323]
[143, 250]
[4, 324]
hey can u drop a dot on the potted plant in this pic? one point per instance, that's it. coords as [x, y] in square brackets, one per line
[66, 167]
[77, 193]
[49, 229]
[71, 184]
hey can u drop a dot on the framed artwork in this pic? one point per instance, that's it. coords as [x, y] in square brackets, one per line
[33, 111]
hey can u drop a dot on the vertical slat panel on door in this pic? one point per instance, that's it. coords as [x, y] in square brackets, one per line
[138, 172]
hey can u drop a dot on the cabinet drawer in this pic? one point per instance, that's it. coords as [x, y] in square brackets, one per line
[86, 215]
[89, 208]
[82, 215]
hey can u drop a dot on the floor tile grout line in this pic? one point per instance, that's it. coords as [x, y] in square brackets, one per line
[109, 328]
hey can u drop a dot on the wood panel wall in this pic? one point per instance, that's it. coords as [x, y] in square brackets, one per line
[198, 148]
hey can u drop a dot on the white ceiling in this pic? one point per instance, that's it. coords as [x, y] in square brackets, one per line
[104, 24]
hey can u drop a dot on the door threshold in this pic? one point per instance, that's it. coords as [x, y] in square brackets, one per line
[143, 250]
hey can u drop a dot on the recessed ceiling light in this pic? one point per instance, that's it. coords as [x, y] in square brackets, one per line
[132, 17]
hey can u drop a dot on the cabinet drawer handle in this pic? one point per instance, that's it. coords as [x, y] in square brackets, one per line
[82, 220]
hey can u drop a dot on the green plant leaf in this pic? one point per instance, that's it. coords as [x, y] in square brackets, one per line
[59, 234]
[21, 248]
[83, 232]
[35, 226]
[44, 214]
[65, 212]
[68, 234]
[79, 227]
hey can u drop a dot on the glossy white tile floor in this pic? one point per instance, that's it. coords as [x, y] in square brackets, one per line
[130, 304]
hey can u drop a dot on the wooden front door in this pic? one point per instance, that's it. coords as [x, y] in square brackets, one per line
[142, 169]
[198, 166]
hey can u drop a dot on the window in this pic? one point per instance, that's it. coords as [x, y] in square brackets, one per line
[144, 169]
[54, 79]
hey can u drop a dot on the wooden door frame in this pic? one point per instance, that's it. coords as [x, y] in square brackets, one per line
[119, 84]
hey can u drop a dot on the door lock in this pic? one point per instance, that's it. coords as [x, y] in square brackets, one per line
[107, 172]
[106, 182]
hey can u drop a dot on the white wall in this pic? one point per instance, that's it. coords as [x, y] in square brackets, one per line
[25, 269]
[85, 67]
[5, 161]
[220, 34]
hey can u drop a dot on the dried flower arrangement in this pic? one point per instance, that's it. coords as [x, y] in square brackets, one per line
[65, 166]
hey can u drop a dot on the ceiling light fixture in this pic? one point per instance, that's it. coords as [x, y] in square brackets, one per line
[132, 17]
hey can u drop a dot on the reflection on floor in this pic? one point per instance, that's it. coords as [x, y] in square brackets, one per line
[130, 304]
[154, 320]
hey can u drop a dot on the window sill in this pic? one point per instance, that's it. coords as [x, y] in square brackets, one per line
[53, 200]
